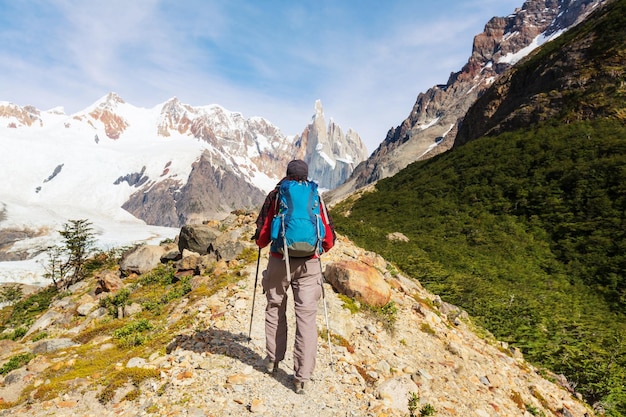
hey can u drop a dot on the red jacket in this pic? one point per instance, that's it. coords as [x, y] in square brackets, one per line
[264, 223]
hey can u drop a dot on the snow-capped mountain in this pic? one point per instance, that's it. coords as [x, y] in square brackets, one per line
[331, 154]
[138, 174]
[433, 122]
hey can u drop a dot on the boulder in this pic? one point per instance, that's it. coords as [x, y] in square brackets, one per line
[7, 347]
[191, 261]
[85, 309]
[360, 281]
[108, 281]
[342, 323]
[142, 259]
[132, 309]
[228, 246]
[398, 237]
[51, 345]
[395, 392]
[170, 252]
[49, 318]
[198, 238]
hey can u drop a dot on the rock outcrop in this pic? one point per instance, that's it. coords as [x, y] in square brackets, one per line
[330, 154]
[360, 281]
[559, 84]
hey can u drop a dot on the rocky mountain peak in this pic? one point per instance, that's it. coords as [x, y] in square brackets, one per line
[331, 154]
[525, 95]
[174, 116]
[17, 116]
[112, 100]
[105, 112]
[433, 122]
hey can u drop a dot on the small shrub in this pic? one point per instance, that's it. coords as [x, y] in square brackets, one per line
[534, 410]
[153, 306]
[111, 303]
[103, 259]
[133, 333]
[387, 314]
[427, 410]
[350, 304]
[248, 255]
[390, 311]
[15, 334]
[11, 294]
[368, 379]
[39, 336]
[16, 362]
[336, 340]
[163, 274]
[517, 399]
[392, 270]
[117, 380]
[25, 310]
[426, 328]
[414, 401]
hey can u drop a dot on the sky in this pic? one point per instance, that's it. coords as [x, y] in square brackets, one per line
[366, 61]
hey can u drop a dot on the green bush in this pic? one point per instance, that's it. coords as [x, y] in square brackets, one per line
[11, 294]
[113, 302]
[133, 334]
[16, 362]
[24, 312]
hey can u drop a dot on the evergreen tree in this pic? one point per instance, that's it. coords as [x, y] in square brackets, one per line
[66, 264]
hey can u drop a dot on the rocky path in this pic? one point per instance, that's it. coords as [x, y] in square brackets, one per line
[214, 370]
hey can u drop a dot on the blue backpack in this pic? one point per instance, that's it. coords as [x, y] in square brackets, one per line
[297, 228]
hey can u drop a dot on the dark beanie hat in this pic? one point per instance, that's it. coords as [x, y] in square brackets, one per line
[298, 168]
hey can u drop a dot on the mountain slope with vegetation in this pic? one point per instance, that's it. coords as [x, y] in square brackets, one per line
[186, 337]
[523, 222]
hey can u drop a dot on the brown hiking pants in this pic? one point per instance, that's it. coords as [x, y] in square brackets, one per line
[306, 284]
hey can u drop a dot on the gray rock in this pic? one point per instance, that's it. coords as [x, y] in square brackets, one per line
[15, 376]
[142, 259]
[132, 309]
[198, 238]
[170, 252]
[396, 391]
[51, 345]
[228, 247]
[45, 321]
[136, 363]
[85, 309]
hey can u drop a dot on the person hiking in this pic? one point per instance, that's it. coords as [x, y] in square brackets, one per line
[305, 275]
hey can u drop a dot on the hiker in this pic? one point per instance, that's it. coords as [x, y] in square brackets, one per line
[305, 281]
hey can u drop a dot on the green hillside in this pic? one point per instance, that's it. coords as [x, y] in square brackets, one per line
[526, 230]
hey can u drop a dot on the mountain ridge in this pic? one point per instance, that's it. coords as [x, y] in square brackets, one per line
[152, 170]
[433, 122]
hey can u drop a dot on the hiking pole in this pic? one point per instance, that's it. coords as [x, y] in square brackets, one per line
[256, 279]
[330, 350]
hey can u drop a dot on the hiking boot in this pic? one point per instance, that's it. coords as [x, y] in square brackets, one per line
[298, 387]
[270, 366]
